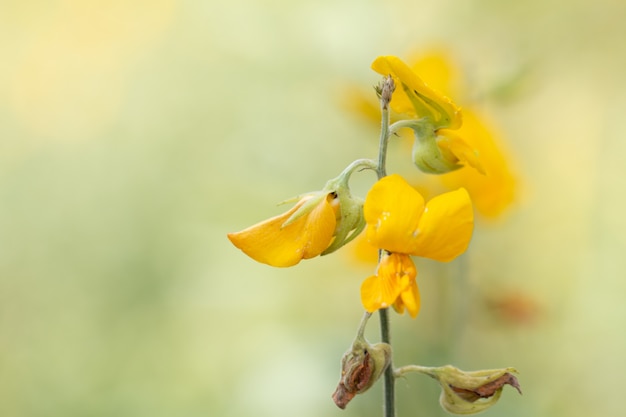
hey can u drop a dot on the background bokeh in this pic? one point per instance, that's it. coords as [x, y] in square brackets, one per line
[135, 134]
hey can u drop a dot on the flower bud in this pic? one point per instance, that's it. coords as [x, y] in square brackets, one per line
[361, 366]
[471, 392]
[384, 90]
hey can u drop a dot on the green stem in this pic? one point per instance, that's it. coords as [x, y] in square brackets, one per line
[387, 88]
[358, 164]
[384, 140]
[361, 331]
[414, 124]
[403, 370]
[389, 386]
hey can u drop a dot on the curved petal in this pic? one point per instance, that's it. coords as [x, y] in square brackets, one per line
[455, 148]
[392, 211]
[414, 97]
[395, 272]
[438, 67]
[377, 293]
[409, 298]
[445, 228]
[273, 243]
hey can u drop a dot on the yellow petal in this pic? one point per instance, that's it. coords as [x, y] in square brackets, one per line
[414, 97]
[409, 298]
[493, 192]
[377, 293]
[445, 228]
[392, 211]
[394, 273]
[309, 235]
[437, 66]
[453, 147]
[363, 251]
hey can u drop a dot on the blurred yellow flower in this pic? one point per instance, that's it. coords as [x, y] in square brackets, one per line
[402, 224]
[303, 232]
[474, 142]
[433, 116]
[495, 191]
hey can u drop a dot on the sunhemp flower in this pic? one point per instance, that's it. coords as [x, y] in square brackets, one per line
[402, 224]
[319, 223]
[437, 149]
[491, 193]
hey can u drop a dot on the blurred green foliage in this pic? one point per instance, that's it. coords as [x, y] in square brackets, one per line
[135, 135]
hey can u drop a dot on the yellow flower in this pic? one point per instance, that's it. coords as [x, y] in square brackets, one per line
[303, 232]
[400, 222]
[415, 98]
[393, 285]
[319, 224]
[436, 150]
[491, 193]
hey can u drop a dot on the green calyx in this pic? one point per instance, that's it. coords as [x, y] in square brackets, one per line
[350, 220]
[427, 155]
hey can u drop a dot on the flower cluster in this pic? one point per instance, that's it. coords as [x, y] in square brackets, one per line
[399, 223]
[493, 186]
[433, 117]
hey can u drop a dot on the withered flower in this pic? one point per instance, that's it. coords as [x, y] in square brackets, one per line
[361, 366]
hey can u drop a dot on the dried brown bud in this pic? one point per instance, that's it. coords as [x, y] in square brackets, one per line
[384, 91]
[472, 392]
[361, 366]
[488, 389]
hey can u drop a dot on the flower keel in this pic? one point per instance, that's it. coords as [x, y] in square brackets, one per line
[284, 240]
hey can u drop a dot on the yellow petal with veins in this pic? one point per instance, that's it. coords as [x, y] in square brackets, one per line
[392, 211]
[409, 298]
[272, 243]
[414, 97]
[445, 228]
[394, 274]
[377, 293]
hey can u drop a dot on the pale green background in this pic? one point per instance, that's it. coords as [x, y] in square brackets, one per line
[135, 135]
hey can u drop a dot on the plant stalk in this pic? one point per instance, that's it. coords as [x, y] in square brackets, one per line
[386, 89]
